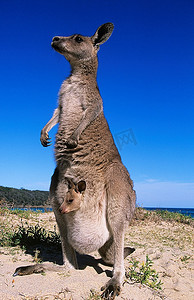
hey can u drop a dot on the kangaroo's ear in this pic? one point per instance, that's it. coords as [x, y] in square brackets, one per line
[81, 186]
[70, 183]
[102, 34]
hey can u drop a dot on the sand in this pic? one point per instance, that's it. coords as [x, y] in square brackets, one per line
[168, 244]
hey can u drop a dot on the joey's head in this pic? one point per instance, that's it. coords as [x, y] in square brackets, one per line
[73, 197]
[79, 49]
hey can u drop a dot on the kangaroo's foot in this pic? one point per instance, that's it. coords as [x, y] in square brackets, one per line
[38, 268]
[111, 289]
[27, 270]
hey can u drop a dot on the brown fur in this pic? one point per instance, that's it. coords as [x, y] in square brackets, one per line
[85, 149]
[73, 198]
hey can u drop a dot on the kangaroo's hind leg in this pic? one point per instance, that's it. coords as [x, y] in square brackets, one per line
[113, 286]
[107, 252]
[119, 202]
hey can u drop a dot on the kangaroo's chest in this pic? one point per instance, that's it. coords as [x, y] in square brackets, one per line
[87, 234]
[72, 97]
[72, 105]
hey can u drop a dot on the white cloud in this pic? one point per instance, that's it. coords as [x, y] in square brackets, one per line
[154, 193]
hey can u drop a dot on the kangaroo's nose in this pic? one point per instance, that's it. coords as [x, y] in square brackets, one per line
[56, 39]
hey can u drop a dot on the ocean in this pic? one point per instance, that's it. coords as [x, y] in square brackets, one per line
[184, 211]
[38, 209]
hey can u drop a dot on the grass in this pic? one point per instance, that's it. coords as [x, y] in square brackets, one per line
[137, 272]
[140, 214]
[26, 235]
[15, 231]
[94, 295]
[185, 258]
[178, 217]
[159, 215]
[6, 235]
[143, 273]
[24, 214]
[22, 234]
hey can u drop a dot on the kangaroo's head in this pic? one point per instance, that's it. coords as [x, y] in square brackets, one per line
[73, 197]
[78, 48]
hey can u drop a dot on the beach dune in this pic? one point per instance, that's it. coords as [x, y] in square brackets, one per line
[168, 244]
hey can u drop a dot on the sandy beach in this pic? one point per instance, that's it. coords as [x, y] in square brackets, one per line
[168, 244]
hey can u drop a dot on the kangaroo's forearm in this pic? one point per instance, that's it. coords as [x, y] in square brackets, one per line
[89, 116]
[53, 121]
[44, 137]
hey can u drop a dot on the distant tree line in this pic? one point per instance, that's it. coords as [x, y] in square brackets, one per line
[12, 197]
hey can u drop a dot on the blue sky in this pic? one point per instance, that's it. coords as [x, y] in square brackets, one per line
[145, 76]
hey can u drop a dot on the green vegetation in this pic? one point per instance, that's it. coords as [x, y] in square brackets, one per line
[11, 197]
[137, 273]
[29, 235]
[6, 234]
[143, 273]
[173, 216]
[94, 295]
[185, 258]
[23, 214]
[159, 215]
[22, 233]
[26, 236]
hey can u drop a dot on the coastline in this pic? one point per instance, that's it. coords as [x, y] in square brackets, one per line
[184, 211]
[47, 208]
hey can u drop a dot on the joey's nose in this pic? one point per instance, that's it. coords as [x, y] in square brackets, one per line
[56, 39]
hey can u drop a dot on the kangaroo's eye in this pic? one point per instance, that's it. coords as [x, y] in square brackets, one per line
[78, 39]
[70, 201]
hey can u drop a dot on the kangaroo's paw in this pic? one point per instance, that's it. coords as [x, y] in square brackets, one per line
[71, 142]
[45, 139]
[111, 289]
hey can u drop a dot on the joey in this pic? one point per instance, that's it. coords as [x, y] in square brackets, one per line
[73, 197]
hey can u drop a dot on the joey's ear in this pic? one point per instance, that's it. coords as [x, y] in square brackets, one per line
[70, 183]
[102, 34]
[81, 186]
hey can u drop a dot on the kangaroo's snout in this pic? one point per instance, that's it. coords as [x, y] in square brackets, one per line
[56, 43]
[63, 210]
[55, 39]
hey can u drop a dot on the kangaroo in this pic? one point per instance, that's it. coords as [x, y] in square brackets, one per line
[85, 148]
[73, 198]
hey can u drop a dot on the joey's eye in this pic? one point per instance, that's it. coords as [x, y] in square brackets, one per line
[70, 201]
[78, 39]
